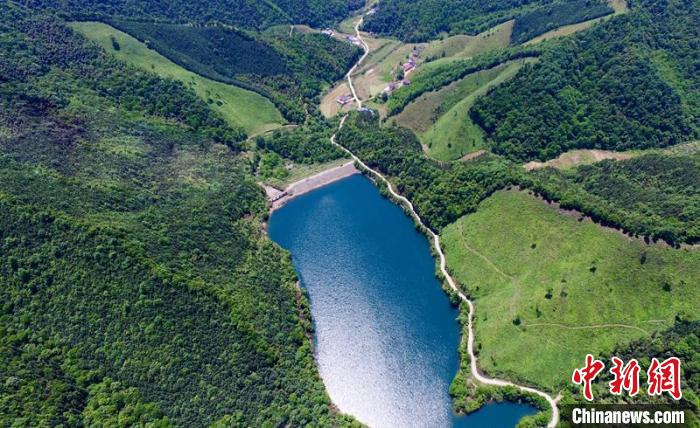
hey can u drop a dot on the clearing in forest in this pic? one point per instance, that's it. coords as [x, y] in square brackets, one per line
[441, 118]
[239, 107]
[575, 158]
[463, 46]
[550, 288]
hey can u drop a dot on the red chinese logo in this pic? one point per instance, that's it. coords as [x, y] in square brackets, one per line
[586, 375]
[665, 377]
[662, 377]
[625, 377]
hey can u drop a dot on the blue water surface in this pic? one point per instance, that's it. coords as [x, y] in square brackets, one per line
[386, 334]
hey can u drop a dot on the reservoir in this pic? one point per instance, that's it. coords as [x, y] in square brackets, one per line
[386, 335]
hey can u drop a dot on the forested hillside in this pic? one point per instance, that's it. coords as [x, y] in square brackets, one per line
[543, 19]
[440, 75]
[307, 144]
[655, 195]
[243, 13]
[422, 20]
[440, 192]
[631, 82]
[290, 70]
[137, 285]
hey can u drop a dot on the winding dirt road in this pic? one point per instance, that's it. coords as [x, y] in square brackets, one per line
[438, 248]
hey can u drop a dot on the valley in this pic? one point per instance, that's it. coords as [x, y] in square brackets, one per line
[216, 214]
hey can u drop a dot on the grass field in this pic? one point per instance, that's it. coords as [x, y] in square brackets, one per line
[461, 46]
[240, 107]
[348, 24]
[441, 118]
[420, 115]
[565, 282]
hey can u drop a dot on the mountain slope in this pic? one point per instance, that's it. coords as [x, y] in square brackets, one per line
[243, 13]
[423, 20]
[630, 82]
[134, 268]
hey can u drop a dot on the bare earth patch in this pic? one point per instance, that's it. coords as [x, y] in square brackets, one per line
[579, 157]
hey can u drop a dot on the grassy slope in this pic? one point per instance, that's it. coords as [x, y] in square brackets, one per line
[454, 134]
[238, 106]
[491, 252]
[461, 46]
[574, 158]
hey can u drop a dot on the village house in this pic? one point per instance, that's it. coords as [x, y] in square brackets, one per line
[344, 99]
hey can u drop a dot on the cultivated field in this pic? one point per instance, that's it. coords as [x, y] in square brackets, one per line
[238, 106]
[549, 288]
[329, 105]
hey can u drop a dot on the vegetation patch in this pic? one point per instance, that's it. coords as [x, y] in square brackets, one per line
[453, 134]
[539, 21]
[242, 13]
[601, 89]
[549, 288]
[462, 46]
[655, 195]
[199, 49]
[240, 107]
[423, 20]
[440, 192]
[291, 68]
[307, 144]
[433, 77]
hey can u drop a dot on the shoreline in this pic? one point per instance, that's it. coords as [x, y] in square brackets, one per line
[278, 198]
[476, 375]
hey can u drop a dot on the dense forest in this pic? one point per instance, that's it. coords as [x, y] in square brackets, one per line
[137, 286]
[243, 13]
[441, 193]
[541, 20]
[631, 82]
[422, 20]
[290, 70]
[654, 195]
[306, 144]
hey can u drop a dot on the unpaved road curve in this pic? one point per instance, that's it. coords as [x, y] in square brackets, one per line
[443, 262]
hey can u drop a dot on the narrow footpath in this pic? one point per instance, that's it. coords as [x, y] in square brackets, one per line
[438, 248]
